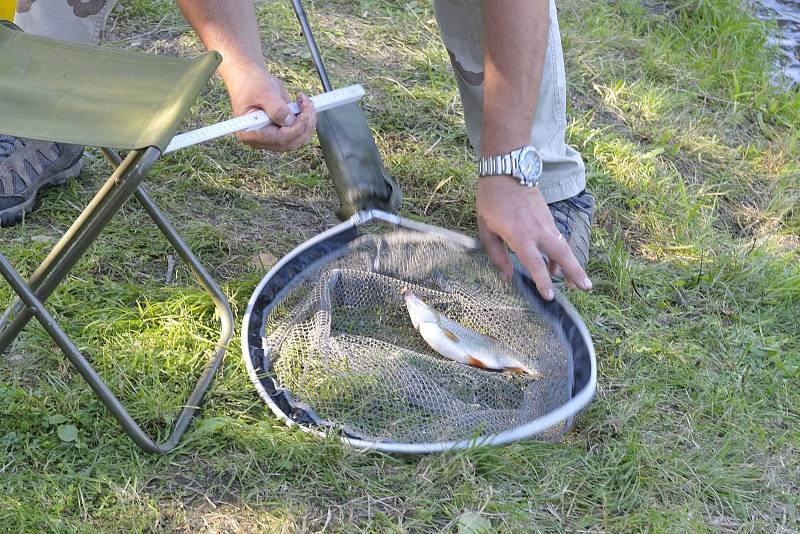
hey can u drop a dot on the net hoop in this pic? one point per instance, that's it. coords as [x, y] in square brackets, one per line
[271, 289]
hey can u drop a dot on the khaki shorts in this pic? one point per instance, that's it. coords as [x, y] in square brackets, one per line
[461, 24]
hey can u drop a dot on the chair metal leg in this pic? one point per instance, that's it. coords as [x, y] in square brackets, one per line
[221, 303]
[69, 250]
[105, 204]
[208, 284]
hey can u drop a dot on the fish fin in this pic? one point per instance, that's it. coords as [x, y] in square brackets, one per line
[450, 335]
[446, 331]
[521, 370]
[475, 362]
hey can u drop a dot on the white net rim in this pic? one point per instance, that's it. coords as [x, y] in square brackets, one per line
[569, 326]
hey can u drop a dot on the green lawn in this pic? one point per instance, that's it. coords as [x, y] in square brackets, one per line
[693, 157]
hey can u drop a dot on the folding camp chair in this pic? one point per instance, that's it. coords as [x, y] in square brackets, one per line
[85, 95]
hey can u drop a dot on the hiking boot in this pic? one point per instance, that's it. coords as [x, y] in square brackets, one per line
[26, 166]
[573, 218]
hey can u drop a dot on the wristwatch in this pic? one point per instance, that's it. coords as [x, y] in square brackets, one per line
[524, 163]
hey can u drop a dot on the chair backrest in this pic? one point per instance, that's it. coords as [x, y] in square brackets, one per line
[80, 94]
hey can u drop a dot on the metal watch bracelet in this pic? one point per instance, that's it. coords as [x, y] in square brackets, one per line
[494, 165]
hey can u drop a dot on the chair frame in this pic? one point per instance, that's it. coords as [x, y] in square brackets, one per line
[124, 183]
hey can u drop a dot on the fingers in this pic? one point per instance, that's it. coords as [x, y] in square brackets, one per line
[289, 131]
[275, 104]
[307, 110]
[520, 219]
[532, 259]
[528, 254]
[561, 256]
[496, 250]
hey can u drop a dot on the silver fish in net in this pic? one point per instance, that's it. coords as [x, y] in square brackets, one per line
[460, 344]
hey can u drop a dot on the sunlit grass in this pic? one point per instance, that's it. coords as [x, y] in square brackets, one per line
[693, 157]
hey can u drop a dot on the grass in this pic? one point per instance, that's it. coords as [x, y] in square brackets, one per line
[693, 157]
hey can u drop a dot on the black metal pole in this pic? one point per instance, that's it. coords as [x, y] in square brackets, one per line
[312, 44]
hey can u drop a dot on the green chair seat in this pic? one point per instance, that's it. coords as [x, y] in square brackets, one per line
[72, 93]
[85, 95]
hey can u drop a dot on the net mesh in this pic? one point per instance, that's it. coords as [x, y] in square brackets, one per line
[341, 347]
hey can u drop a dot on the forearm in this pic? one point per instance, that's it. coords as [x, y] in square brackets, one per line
[230, 28]
[515, 43]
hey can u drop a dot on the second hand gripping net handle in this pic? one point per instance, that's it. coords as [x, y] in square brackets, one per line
[258, 119]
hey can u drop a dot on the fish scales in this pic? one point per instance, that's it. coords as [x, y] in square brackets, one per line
[456, 342]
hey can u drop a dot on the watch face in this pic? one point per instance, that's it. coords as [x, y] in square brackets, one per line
[530, 163]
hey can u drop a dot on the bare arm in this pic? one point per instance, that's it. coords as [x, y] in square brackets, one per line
[515, 43]
[230, 27]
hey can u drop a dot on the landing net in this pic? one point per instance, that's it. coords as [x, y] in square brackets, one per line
[342, 350]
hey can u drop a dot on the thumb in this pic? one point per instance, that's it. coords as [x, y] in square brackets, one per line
[277, 109]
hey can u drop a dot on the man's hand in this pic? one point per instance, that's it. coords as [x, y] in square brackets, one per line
[515, 42]
[516, 216]
[253, 89]
[230, 27]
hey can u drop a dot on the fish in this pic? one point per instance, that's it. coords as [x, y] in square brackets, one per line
[458, 343]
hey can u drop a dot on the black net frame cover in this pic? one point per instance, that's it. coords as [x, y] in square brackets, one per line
[307, 257]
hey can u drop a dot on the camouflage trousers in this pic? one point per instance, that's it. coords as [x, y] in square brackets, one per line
[461, 25]
[69, 20]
